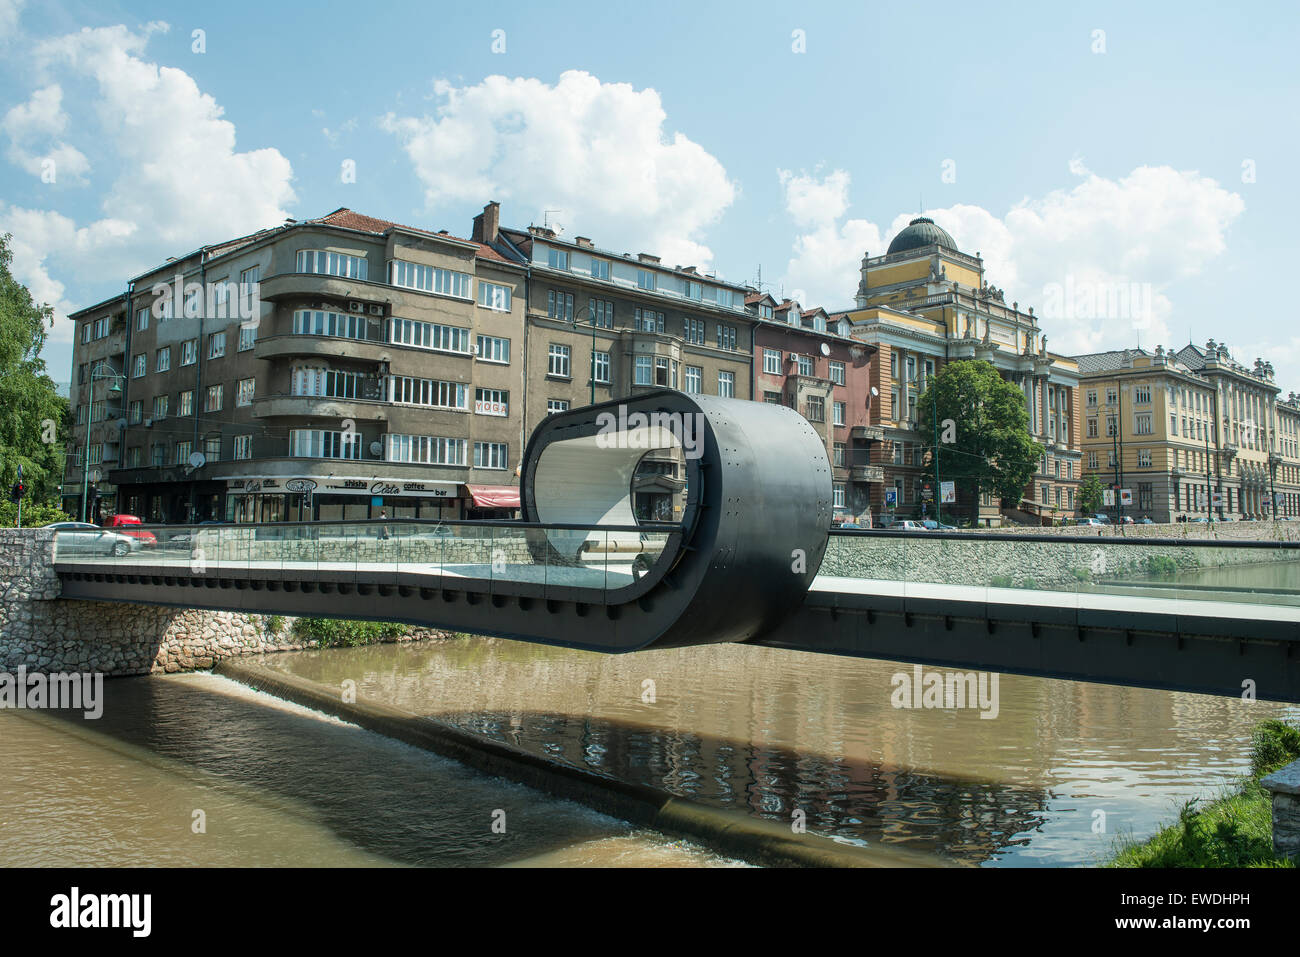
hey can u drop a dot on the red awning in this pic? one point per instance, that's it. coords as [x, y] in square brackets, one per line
[494, 496]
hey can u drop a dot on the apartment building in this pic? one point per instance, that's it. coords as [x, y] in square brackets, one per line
[1256, 461]
[806, 359]
[327, 369]
[925, 303]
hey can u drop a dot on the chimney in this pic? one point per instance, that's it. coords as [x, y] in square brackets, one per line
[692, 270]
[584, 241]
[487, 224]
[647, 258]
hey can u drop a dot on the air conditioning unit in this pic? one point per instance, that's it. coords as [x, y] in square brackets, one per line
[376, 310]
[473, 350]
[148, 423]
[356, 307]
[794, 357]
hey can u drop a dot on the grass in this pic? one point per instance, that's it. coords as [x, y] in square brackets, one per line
[1234, 831]
[344, 633]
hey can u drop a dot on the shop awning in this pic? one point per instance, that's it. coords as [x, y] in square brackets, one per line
[494, 496]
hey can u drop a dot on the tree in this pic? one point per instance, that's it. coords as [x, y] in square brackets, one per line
[34, 420]
[987, 423]
[1090, 491]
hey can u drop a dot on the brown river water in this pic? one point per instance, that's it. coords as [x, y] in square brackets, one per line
[1061, 771]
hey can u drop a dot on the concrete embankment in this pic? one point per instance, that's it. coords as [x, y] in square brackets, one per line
[728, 832]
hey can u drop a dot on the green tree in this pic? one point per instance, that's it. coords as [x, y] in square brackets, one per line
[34, 423]
[986, 419]
[1089, 499]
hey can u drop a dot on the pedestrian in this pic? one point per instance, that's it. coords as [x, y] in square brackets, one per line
[383, 528]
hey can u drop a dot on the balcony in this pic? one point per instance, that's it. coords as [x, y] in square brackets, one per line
[867, 433]
[334, 347]
[867, 473]
[307, 285]
[310, 406]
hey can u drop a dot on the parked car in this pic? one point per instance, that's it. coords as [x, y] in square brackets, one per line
[1145, 520]
[907, 525]
[1103, 518]
[849, 525]
[125, 522]
[1200, 518]
[1091, 522]
[1127, 520]
[934, 525]
[86, 538]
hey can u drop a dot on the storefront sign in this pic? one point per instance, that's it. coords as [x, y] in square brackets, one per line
[484, 407]
[300, 485]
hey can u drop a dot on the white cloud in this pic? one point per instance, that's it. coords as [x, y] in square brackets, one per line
[40, 120]
[1137, 234]
[823, 269]
[181, 181]
[10, 10]
[597, 152]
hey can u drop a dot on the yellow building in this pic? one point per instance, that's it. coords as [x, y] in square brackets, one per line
[925, 303]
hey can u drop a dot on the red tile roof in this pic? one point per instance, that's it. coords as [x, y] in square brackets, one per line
[350, 219]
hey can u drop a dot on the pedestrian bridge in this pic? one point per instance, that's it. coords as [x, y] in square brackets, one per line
[750, 560]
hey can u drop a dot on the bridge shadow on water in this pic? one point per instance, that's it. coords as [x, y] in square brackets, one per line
[393, 801]
[966, 821]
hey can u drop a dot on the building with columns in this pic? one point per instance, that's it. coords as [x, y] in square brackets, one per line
[924, 303]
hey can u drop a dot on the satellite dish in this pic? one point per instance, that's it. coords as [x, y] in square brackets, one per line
[197, 460]
[376, 449]
[826, 349]
[96, 476]
[875, 391]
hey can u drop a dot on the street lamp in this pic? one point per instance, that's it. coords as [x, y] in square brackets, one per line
[1117, 449]
[116, 387]
[594, 327]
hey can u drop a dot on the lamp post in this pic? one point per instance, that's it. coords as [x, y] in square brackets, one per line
[1117, 450]
[116, 387]
[594, 327]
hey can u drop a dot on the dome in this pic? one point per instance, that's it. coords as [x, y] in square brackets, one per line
[921, 232]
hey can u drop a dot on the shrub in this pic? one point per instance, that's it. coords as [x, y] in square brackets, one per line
[339, 632]
[33, 515]
[274, 624]
[1161, 566]
[1002, 581]
[1274, 744]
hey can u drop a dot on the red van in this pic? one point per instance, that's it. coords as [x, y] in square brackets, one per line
[124, 523]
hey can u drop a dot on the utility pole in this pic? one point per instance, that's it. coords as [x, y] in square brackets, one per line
[938, 492]
[1209, 494]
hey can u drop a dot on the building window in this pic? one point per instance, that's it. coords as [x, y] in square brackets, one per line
[216, 345]
[694, 331]
[557, 258]
[139, 365]
[1092, 428]
[645, 279]
[163, 359]
[837, 372]
[726, 337]
[602, 314]
[491, 295]
[243, 446]
[135, 413]
[772, 398]
[838, 492]
[491, 402]
[556, 405]
[1144, 458]
[341, 325]
[558, 361]
[727, 385]
[772, 361]
[212, 448]
[489, 455]
[430, 393]
[1112, 426]
[695, 380]
[213, 403]
[646, 320]
[559, 305]
[839, 409]
[185, 403]
[1142, 394]
[900, 451]
[600, 269]
[1142, 424]
[331, 264]
[642, 370]
[805, 365]
[840, 454]
[142, 319]
[600, 367]
[133, 457]
[724, 298]
[424, 449]
[443, 282]
[493, 349]
[1092, 397]
[183, 452]
[320, 444]
[244, 392]
[765, 311]
[1092, 460]
[159, 454]
[189, 352]
[815, 408]
[428, 335]
[247, 336]
[159, 407]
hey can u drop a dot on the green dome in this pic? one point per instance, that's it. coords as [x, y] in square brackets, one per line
[921, 232]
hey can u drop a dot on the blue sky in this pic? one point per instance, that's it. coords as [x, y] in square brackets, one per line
[690, 129]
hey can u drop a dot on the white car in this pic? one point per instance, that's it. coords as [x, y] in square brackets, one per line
[84, 538]
[907, 525]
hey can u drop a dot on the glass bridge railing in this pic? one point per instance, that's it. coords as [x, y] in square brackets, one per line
[998, 567]
[605, 557]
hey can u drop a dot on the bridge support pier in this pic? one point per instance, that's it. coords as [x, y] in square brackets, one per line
[1284, 785]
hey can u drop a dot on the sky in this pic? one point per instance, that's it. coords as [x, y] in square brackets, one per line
[1129, 170]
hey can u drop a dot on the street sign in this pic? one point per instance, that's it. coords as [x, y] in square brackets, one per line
[891, 497]
[947, 492]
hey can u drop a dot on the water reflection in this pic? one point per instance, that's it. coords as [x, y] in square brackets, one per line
[768, 731]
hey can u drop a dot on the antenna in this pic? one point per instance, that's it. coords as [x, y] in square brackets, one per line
[546, 219]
